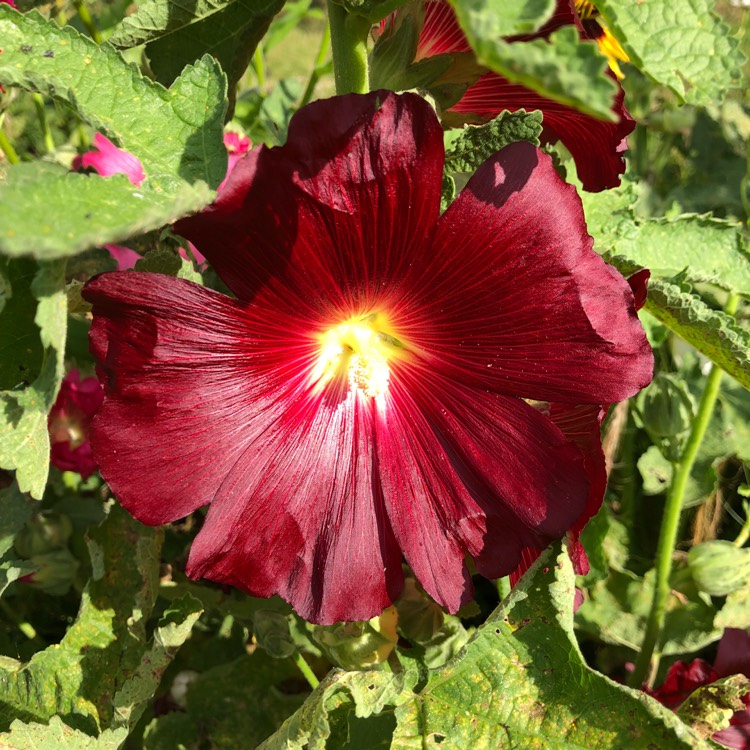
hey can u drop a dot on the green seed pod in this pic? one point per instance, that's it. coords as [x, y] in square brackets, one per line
[43, 532]
[719, 567]
[666, 407]
[359, 645]
[271, 630]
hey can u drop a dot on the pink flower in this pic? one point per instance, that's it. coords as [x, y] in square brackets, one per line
[237, 146]
[363, 398]
[109, 160]
[69, 422]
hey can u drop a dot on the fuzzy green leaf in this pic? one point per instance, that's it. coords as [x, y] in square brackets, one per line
[57, 736]
[520, 682]
[79, 677]
[14, 510]
[705, 249]
[176, 32]
[476, 144]
[680, 44]
[710, 707]
[176, 134]
[712, 332]
[24, 440]
[57, 213]
[563, 68]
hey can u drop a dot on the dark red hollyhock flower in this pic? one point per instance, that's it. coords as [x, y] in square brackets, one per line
[363, 396]
[733, 657]
[597, 146]
[69, 422]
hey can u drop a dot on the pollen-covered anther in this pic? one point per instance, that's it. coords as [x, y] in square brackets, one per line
[358, 351]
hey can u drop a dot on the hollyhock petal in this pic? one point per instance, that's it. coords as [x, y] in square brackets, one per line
[597, 146]
[471, 473]
[109, 160]
[733, 656]
[681, 680]
[315, 531]
[346, 203]
[177, 362]
[532, 311]
[237, 146]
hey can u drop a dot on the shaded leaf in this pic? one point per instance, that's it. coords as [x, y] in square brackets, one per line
[173, 630]
[24, 440]
[176, 32]
[78, 678]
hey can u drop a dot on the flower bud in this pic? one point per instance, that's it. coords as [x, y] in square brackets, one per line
[719, 567]
[43, 532]
[359, 645]
[666, 407]
[271, 630]
[56, 571]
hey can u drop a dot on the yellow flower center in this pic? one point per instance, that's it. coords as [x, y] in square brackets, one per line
[357, 351]
[608, 44]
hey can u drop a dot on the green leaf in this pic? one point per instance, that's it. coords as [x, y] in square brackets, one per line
[520, 682]
[58, 736]
[176, 33]
[476, 144]
[236, 705]
[79, 677]
[680, 44]
[365, 694]
[24, 440]
[56, 212]
[709, 708]
[562, 68]
[177, 134]
[617, 609]
[655, 470]
[172, 631]
[14, 510]
[705, 249]
[712, 332]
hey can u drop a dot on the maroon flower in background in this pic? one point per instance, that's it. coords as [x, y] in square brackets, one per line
[69, 422]
[363, 397]
[597, 146]
[733, 657]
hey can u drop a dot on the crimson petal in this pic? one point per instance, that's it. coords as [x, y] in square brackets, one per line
[182, 383]
[531, 310]
[338, 211]
[312, 530]
[466, 472]
[597, 146]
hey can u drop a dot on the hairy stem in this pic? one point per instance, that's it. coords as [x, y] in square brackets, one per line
[349, 34]
[648, 659]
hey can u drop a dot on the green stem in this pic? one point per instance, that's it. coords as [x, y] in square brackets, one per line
[41, 113]
[88, 21]
[259, 66]
[648, 659]
[317, 71]
[7, 148]
[304, 667]
[349, 34]
[503, 587]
